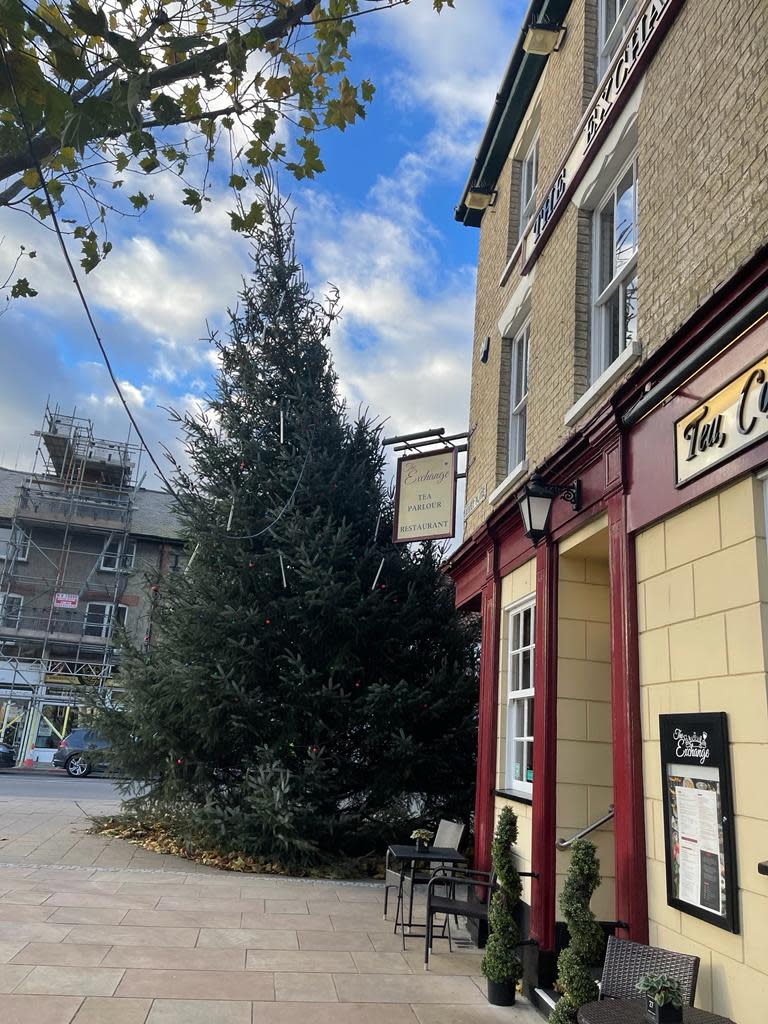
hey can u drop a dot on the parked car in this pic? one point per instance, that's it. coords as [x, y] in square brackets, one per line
[80, 753]
[7, 756]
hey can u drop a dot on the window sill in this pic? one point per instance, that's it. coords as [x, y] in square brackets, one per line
[506, 485]
[510, 794]
[593, 394]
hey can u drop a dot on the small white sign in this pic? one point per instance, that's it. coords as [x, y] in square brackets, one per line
[65, 601]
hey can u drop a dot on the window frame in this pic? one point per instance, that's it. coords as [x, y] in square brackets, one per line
[518, 404]
[600, 356]
[527, 208]
[608, 43]
[516, 700]
[20, 557]
[3, 598]
[129, 557]
[108, 621]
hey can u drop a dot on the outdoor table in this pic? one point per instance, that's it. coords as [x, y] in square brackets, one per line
[411, 855]
[632, 1011]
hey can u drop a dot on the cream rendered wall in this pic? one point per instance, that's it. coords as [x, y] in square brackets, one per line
[702, 593]
[584, 744]
[517, 585]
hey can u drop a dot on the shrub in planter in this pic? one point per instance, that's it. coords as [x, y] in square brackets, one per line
[423, 837]
[574, 978]
[663, 998]
[501, 965]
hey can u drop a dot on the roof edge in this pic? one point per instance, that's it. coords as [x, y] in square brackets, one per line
[512, 100]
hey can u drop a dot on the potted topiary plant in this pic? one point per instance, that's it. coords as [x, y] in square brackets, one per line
[574, 977]
[501, 965]
[663, 998]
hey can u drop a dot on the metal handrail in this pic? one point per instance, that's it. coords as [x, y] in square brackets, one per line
[563, 844]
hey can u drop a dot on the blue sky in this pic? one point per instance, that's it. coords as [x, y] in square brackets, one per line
[378, 224]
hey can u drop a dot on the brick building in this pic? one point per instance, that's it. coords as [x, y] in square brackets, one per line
[79, 535]
[621, 336]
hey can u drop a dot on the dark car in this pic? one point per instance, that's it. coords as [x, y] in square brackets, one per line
[80, 753]
[7, 756]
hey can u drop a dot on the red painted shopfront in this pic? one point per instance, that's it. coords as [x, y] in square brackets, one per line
[625, 460]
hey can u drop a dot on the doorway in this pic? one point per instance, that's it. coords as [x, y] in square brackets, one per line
[584, 722]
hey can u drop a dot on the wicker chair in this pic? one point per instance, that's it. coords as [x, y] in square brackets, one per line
[626, 962]
[449, 835]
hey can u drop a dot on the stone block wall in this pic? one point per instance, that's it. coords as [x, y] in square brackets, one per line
[703, 613]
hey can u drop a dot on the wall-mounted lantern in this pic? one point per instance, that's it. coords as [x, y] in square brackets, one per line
[541, 39]
[535, 501]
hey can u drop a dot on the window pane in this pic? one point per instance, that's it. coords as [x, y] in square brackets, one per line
[514, 672]
[527, 674]
[529, 762]
[630, 312]
[517, 761]
[609, 17]
[521, 425]
[626, 234]
[518, 372]
[605, 248]
[515, 640]
[527, 627]
[5, 536]
[610, 315]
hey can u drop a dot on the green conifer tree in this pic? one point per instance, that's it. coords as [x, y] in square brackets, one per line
[309, 689]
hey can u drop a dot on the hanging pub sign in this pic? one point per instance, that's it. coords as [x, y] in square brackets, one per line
[425, 497]
[698, 817]
[732, 419]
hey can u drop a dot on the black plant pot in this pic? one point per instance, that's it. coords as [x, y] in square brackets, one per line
[420, 844]
[501, 993]
[667, 1014]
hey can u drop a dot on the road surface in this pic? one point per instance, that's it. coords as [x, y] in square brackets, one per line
[56, 786]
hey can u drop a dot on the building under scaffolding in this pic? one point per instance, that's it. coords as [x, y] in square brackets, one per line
[78, 537]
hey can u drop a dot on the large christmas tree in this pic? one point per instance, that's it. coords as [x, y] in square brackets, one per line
[308, 688]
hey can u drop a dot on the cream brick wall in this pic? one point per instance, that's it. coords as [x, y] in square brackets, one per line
[703, 211]
[702, 593]
[517, 585]
[584, 744]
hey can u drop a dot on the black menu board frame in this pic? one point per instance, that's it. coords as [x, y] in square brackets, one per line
[699, 835]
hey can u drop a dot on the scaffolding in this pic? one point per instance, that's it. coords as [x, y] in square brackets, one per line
[67, 559]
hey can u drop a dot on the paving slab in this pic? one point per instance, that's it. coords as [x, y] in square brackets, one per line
[96, 931]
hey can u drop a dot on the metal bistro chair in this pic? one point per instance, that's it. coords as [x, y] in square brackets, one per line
[449, 835]
[626, 962]
[472, 907]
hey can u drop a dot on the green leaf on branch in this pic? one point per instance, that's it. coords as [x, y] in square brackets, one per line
[193, 198]
[92, 23]
[248, 219]
[139, 201]
[21, 289]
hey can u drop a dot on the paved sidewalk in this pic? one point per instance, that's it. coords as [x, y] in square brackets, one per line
[96, 931]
